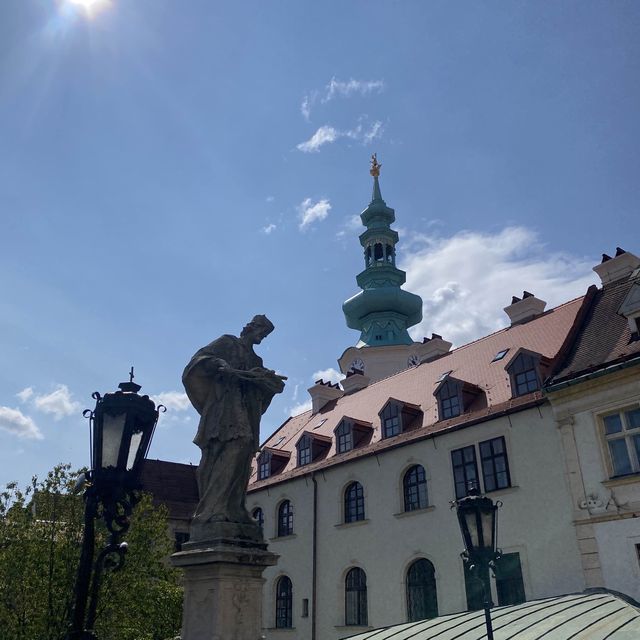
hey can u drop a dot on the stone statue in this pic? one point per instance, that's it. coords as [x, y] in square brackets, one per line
[230, 389]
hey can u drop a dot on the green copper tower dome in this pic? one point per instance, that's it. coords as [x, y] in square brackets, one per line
[382, 311]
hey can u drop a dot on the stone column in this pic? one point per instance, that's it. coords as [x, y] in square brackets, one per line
[223, 589]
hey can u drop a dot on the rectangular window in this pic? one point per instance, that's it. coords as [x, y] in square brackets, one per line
[391, 421]
[305, 607]
[622, 435]
[509, 583]
[345, 437]
[465, 470]
[495, 466]
[264, 466]
[473, 589]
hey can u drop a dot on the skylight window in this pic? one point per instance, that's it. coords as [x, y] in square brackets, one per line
[444, 375]
[320, 423]
[279, 441]
[500, 355]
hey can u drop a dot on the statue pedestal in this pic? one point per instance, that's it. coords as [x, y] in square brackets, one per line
[222, 589]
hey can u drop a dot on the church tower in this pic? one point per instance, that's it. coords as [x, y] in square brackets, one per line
[383, 311]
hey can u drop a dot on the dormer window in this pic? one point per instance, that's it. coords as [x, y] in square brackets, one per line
[312, 447]
[449, 400]
[397, 417]
[351, 434]
[457, 396]
[304, 450]
[524, 371]
[271, 461]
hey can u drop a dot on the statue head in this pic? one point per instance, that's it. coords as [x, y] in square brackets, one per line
[256, 330]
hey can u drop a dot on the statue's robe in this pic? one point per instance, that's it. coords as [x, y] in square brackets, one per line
[229, 430]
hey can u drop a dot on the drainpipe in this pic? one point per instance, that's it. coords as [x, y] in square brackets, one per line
[314, 565]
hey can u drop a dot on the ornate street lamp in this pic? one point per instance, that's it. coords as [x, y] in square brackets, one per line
[121, 425]
[478, 520]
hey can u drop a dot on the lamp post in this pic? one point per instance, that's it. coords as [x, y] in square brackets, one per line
[121, 427]
[478, 520]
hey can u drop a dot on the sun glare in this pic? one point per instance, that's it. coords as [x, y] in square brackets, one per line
[91, 7]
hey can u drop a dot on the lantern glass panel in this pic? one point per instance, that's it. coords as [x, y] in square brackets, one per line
[112, 430]
[487, 528]
[133, 449]
[472, 528]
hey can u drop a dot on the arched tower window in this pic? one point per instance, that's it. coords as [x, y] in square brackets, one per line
[354, 503]
[389, 253]
[258, 516]
[422, 599]
[284, 603]
[367, 256]
[415, 488]
[355, 598]
[378, 252]
[285, 519]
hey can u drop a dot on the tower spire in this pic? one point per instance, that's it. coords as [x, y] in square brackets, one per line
[382, 311]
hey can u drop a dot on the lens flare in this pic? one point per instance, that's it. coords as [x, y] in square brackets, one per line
[91, 7]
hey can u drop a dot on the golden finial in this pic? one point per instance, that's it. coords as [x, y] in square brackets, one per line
[375, 166]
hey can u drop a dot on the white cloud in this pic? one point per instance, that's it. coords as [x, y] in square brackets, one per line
[57, 403]
[269, 199]
[25, 394]
[466, 280]
[328, 134]
[349, 87]
[299, 408]
[17, 423]
[328, 375]
[310, 212]
[305, 107]
[323, 135]
[173, 400]
[269, 228]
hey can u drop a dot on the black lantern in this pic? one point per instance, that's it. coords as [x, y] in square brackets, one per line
[478, 520]
[122, 425]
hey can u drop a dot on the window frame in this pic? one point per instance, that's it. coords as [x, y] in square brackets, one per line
[421, 593]
[627, 433]
[397, 428]
[304, 446]
[409, 504]
[284, 603]
[535, 359]
[264, 465]
[353, 505]
[285, 519]
[358, 592]
[493, 458]
[346, 426]
[448, 384]
[464, 467]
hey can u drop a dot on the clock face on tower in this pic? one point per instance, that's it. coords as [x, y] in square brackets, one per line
[357, 365]
[413, 360]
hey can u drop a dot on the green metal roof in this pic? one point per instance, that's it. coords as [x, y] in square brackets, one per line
[592, 616]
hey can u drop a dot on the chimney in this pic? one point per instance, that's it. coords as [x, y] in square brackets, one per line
[323, 392]
[355, 381]
[622, 265]
[433, 347]
[526, 308]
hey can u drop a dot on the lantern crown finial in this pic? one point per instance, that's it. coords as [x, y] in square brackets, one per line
[131, 386]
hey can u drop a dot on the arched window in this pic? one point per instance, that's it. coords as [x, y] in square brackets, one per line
[355, 598]
[258, 516]
[284, 603]
[422, 599]
[368, 256]
[389, 251]
[285, 519]
[378, 252]
[354, 503]
[415, 488]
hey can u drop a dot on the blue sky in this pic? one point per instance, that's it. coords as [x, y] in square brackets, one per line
[169, 169]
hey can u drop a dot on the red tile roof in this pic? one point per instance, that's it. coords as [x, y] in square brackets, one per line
[472, 362]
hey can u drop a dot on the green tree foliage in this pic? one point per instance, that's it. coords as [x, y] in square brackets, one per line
[40, 539]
